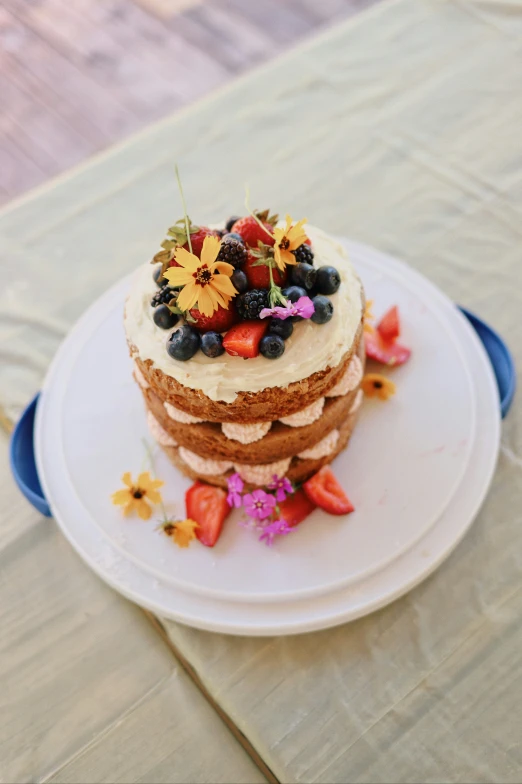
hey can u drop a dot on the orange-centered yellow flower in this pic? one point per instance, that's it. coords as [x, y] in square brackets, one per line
[375, 385]
[206, 282]
[135, 495]
[368, 316]
[287, 240]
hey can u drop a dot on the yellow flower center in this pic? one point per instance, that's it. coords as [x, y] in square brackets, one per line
[137, 493]
[284, 244]
[377, 384]
[203, 275]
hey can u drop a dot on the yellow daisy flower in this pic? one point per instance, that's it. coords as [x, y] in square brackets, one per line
[206, 282]
[368, 316]
[182, 531]
[287, 240]
[135, 495]
[375, 385]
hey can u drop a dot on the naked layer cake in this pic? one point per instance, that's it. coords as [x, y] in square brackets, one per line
[248, 346]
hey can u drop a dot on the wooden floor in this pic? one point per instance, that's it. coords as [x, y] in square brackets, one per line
[79, 75]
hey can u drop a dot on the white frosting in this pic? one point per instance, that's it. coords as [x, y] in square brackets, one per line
[357, 402]
[140, 378]
[245, 434]
[157, 432]
[323, 448]
[306, 416]
[311, 347]
[203, 465]
[180, 416]
[262, 474]
[350, 379]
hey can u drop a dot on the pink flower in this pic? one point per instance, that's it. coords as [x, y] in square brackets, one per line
[282, 487]
[304, 307]
[235, 488]
[259, 504]
[277, 528]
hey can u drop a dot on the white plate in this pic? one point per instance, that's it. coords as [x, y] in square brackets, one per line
[417, 470]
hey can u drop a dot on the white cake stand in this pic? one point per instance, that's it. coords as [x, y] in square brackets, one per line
[417, 469]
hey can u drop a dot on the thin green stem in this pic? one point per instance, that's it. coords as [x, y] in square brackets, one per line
[185, 215]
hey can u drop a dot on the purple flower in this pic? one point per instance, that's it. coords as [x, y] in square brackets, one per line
[277, 528]
[259, 504]
[282, 487]
[304, 307]
[235, 488]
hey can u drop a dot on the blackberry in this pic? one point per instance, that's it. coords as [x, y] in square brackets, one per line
[251, 303]
[304, 254]
[233, 252]
[163, 296]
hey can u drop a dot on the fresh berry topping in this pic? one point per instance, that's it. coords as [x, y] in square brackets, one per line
[197, 239]
[389, 326]
[208, 506]
[386, 352]
[296, 507]
[232, 251]
[244, 338]
[281, 327]
[163, 296]
[272, 346]
[293, 293]
[328, 280]
[239, 280]
[183, 343]
[304, 253]
[252, 232]
[303, 275]
[259, 275]
[325, 491]
[234, 236]
[323, 309]
[221, 319]
[212, 344]
[251, 303]
[158, 277]
[230, 222]
[165, 318]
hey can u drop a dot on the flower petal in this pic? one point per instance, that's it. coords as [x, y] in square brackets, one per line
[223, 267]
[154, 496]
[186, 259]
[288, 257]
[127, 479]
[188, 296]
[210, 250]
[142, 508]
[121, 497]
[129, 509]
[223, 284]
[178, 276]
[143, 481]
[205, 301]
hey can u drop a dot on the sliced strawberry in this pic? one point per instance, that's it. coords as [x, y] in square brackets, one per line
[384, 351]
[221, 319]
[243, 339]
[251, 231]
[258, 275]
[198, 238]
[208, 506]
[389, 326]
[296, 507]
[325, 491]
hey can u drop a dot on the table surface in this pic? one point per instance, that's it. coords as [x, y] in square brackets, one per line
[400, 129]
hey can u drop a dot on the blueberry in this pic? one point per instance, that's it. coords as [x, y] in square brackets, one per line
[303, 275]
[272, 346]
[233, 236]
[183, 343]
[328, 280]
[294, 292]
[212, 344]
[164, 318]
[159, 281]
[230, 222]
[281, 327]
[240, 280]
[323, 309]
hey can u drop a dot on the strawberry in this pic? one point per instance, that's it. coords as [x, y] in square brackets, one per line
[198, 238]
[389, 326]
[384, 351]
[258, 275]
[296, 507]
[251, 231]
[208, 506]
[220, 321]
[244, 338]
[325, 491]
